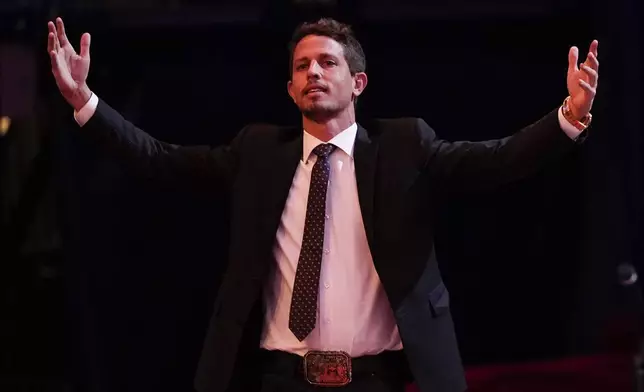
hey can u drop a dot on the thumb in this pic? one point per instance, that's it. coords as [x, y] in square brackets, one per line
[573, 56]
[84, 45]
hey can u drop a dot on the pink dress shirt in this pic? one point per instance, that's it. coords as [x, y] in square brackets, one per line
[354, 314]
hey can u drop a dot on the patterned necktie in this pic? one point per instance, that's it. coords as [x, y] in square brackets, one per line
[304, 303]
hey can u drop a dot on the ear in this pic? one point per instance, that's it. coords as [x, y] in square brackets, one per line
[289, 88]
[359, 83]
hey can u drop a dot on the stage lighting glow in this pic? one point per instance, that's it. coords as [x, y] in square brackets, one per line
[5, 124]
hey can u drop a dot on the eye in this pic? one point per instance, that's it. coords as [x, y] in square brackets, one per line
[329, 63]
[301, 67]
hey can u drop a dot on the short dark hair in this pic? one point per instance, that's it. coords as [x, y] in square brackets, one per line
[340, 32]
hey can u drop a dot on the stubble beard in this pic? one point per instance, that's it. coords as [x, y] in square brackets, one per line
[321, 113]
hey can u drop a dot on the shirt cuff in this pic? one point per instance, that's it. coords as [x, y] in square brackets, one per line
[567, 127]
[87, 111]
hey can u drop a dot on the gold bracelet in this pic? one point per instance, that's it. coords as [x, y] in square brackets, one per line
[567, 113]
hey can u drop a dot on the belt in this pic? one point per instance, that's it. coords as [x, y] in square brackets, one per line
[333, 368]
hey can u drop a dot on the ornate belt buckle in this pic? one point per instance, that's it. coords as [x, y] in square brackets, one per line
[327, 368]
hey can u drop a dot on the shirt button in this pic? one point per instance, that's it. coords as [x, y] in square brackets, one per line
[327, 320]
[326, 251]
[327, 217]
[326, 285]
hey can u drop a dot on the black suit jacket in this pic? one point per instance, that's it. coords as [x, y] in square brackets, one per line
[403, 172]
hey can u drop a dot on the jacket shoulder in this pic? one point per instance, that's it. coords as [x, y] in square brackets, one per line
[391, 124]
[256, 136]
[396, 130]
[266, 131]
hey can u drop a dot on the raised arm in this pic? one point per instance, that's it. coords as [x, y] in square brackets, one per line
[475, 165]
[142, 153]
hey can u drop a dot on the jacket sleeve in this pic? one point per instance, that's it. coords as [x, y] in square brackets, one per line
[467, 165]
[157, 160]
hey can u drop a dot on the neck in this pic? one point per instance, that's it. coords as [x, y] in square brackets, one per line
[326, 129]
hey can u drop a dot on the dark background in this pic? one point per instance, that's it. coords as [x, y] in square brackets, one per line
[108, 282]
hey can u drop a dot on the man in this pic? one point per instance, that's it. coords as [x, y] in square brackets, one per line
[332, 279]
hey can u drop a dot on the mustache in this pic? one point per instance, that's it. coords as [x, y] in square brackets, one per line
[312, 86]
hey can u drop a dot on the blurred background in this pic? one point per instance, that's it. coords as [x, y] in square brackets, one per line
[107, 283]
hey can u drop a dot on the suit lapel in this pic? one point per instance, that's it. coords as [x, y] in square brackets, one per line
[282, 170]
[364, 154]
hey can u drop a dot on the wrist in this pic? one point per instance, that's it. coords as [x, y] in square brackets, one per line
[573, 116]
[80, 97]
[574, 113]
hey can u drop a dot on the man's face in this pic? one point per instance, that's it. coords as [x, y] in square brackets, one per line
[322, 85]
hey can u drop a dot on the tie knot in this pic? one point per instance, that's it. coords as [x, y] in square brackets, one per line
[324, 150]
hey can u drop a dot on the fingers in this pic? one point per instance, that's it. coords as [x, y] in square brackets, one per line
[52, 41]
[53, 45]
[591, 65]
[55, 64]
[593, 47]
[573, 56]
[587, 87]
[592, 61]
[592, 75]
[86, 39]
[62, 37]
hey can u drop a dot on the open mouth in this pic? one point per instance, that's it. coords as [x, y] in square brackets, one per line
[315, 90]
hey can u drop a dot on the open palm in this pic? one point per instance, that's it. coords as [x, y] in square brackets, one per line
[69, 68]
[582, 80]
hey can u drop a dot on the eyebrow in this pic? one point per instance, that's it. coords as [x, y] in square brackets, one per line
[321, 55]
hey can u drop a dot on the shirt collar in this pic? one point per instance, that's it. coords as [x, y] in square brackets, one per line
[344, 140]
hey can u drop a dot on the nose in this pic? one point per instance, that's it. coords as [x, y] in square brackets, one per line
[314, 70]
